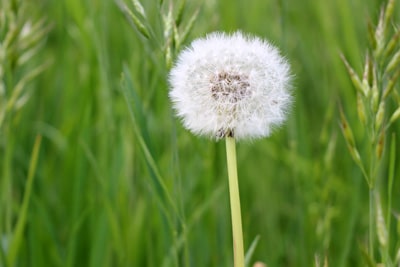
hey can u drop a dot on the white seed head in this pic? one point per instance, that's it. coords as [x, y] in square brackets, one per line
[230, 85]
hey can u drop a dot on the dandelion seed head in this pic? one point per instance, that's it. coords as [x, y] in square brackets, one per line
[230, 85]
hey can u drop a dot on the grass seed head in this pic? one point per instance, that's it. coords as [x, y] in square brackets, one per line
[380, 115]
[380, 224]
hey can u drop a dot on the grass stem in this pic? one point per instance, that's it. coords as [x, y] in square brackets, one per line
[371, 223]
[18, 235]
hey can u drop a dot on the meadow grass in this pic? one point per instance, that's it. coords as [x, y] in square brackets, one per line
[96, 170]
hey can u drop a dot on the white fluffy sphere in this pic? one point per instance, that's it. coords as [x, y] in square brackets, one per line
[230, 85]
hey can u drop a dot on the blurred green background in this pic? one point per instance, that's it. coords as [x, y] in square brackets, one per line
[121, 183]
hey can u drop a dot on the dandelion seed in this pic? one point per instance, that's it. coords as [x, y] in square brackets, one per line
[230, 86]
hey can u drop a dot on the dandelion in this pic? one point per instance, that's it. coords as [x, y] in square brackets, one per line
[233, 87]
[230, 85]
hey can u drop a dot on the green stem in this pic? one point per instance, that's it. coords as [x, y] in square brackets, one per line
[392, 164]
[18, 234]
[6, 190]
[371, 211]
[371, 186]
[238, 251]
[371, 222]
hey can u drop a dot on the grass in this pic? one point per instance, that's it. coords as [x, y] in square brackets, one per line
[117, 181]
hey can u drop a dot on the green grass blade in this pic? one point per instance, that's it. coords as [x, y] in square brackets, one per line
[3, 258]
[136, 112]
[251, 250]
[17, 238]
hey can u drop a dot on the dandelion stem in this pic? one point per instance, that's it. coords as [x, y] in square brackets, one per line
[238, 251]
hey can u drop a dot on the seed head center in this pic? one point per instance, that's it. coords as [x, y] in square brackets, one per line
[229, 87]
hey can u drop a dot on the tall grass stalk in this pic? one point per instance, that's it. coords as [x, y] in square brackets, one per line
[373, 89]
[17, 236]
[21, 39]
